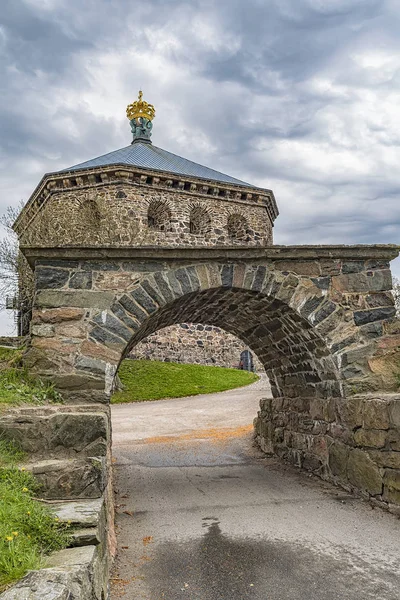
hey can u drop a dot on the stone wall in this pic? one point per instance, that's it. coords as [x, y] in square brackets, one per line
[69, 453]
[193, 343]
[127, 216]
[354, 442]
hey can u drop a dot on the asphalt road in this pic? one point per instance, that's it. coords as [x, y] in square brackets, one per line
[203, 515]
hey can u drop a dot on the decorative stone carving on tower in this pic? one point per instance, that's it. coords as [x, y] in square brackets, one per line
[140, 115]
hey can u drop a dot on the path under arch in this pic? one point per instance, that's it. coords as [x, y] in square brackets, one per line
[203, 515]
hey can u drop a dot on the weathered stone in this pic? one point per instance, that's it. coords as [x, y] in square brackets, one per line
[363, 473]
[352, 266]
[111, 323]
[92, 365]
[379, 299]
[77, 382]
[362, 317]
[82, 513]
[74, 479]
[389, 459]
[57, 315]
[99, 334]
[370, 438]
[375, 413]
[311, 268]
[117, 281]
[85, 537]
[391, 490]
[81, 280]
[45, 330]
[394, 412]
[72, 330]
[38, 360]
[70, 298]
[338, 457]
[362, 282]
[132, 308]
[48, 278]
[144, 300]
[351, 411]
[99, 351]
[71, 573]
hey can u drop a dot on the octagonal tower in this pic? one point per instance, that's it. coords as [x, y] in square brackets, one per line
[142, 195]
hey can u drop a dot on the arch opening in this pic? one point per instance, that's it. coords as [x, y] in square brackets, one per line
[296, 360]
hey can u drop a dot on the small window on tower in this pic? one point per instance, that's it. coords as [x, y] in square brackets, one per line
[158, 216]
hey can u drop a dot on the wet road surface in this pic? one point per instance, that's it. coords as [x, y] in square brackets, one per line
[203, 515]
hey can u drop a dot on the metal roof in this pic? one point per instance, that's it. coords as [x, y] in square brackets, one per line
[147, 156]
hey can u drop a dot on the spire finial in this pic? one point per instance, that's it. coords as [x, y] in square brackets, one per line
[140, 115]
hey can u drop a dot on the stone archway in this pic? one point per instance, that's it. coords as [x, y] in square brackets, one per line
[316, 319]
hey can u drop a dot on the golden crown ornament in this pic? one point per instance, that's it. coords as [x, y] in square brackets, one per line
[140, 108]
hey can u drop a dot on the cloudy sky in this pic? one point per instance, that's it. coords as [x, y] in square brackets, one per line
[301, 96]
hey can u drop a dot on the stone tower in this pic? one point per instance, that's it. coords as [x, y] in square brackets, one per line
[142, 195]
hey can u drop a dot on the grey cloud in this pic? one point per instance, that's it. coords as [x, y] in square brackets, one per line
[240, 83]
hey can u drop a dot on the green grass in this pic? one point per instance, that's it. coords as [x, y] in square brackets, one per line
[153, 380]
[28, 530]
[17, 386]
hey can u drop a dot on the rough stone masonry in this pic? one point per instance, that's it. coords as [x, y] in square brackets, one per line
[137, 240]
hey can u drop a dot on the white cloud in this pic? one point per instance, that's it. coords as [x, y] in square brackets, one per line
[300, 96]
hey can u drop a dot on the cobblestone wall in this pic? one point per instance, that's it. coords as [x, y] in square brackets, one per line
[354, 442]
[128, 216]
[193, 343]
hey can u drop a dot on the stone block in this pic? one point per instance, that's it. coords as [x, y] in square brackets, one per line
[351, 411]
[391, 490]
[81, 513]
[144, 300]
[388, 459]
[375, 413]
[70, 479]
[370, 438]
[75, 381]
[362, 472]
[308, 268]
[45, 330]
[111, 323]
[117, 281]
[49, 278]
[378, 299]
[74, 298]
[57, 315]
[71, 573]
[81, 280]
[361, 317]
[394, 412]
[337, 460]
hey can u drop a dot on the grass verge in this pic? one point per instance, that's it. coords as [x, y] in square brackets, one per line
[153, 380]
[17, 386]
[28, 530]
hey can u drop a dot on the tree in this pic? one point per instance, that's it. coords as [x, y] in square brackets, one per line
[396, 294]
[12, 264]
